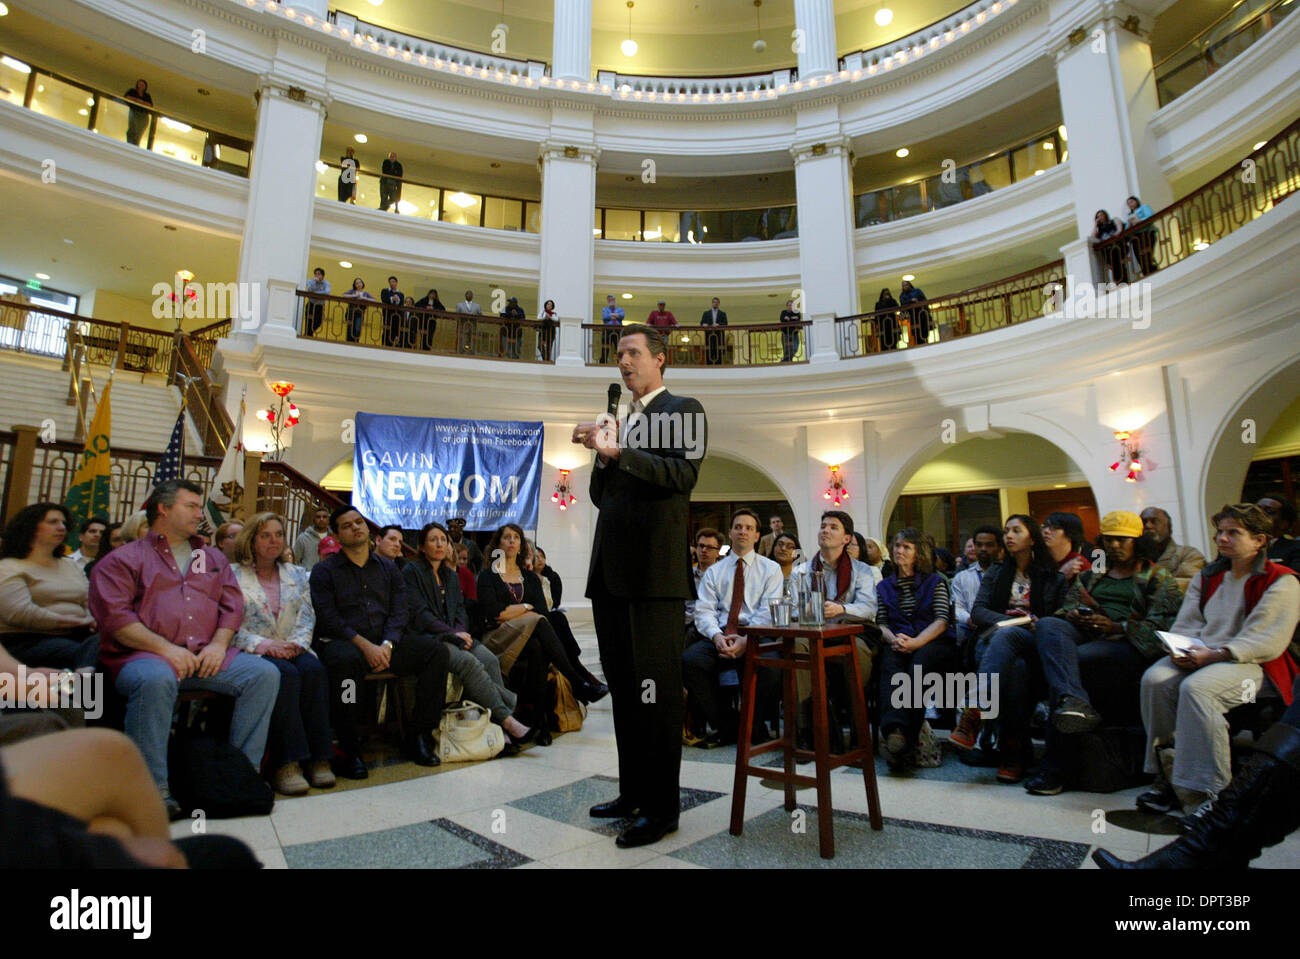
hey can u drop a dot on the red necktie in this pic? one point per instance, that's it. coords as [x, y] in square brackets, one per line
[737, 597]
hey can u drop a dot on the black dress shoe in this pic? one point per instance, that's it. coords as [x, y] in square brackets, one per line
[543, 736]
[619, 808]
[644, 831]
[350, 766]
[420, 749]
[591, 692]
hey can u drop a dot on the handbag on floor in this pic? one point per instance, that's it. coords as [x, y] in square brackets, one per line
[466, 734]
[929, 751]
[567, 709]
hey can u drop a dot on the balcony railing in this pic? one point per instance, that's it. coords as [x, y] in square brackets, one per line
[756, 344]
[373, 37]
[1020, 162]
[428, 201]
[44, 332]
[1234, 198]
[54, 95]
[410, 329]
[720, 89]
[1221, 42]
[980, 309]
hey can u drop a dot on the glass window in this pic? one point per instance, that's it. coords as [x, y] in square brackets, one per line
[63, 101]
[112, 119]
[596, 224]
[368, 190]
[13, 80]
[502, 214]
[1028, 161]
[872, 208]
[989, 175]
[180, 141]
[662, 227]
[227, 157]
[533, 216]
[622, 224]
[907, 200]
[461, 207]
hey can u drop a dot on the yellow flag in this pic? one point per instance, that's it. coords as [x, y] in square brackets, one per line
[88, 494]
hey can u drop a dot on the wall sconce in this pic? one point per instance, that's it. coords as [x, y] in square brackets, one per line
[1129, 455]
[281, 419]
[562, 496]
[836, 491]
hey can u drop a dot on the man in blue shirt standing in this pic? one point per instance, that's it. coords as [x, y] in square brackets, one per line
[611, 315]
[1144, 240]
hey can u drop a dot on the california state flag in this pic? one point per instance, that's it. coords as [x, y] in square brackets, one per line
[226, 497]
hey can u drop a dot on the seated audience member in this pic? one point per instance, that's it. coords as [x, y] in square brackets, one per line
[848, 596]
[1100, 642]
[361, 616]
[1283, 548]
[388, 544]
[306, 548]
[1243, 608]
[965, 585]
[85, 799]
[438, 609]
[1063, 534]
[708, 550]
[944, 562]
[873, 553]
[278, 625]
[1025, 584]
[225, 537]
[465, 575]
[511, 622]
[1182, 561]
[915, 619]
[456, 527]
[1103, 228]
[886, 320]
[785, 553]
[90, 536]
[549, 577]
[968, 558]
[168, 607]
[774, 525]
[1260, 808]
[135, 526]
[734, 591]
[44, 616]
[111, 541]
[560, 623]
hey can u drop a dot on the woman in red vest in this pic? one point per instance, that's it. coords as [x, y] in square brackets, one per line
[1243, 610]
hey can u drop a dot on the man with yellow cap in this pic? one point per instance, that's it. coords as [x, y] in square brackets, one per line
[1099, 644]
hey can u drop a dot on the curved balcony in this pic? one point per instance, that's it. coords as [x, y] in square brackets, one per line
[744, 344]
[1222, 41]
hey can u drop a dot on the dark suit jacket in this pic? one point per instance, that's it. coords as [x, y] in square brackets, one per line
[494, 596]
[641, 545]
[1046, 594]
[706, 318]
[431, 613]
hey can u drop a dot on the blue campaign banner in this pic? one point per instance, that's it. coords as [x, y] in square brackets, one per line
[409, 470]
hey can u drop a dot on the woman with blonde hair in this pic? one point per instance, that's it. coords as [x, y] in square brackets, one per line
[278, 623]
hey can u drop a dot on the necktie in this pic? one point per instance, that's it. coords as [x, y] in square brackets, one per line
[737, 597]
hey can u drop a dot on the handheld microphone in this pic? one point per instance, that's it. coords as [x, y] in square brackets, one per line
[615, 391]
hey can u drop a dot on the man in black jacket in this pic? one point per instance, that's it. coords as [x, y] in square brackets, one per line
[393, 319]
[714, 341]
[640, 578]
[390, 184]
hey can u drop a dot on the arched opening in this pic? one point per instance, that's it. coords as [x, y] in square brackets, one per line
[726, 484]
[983, 480]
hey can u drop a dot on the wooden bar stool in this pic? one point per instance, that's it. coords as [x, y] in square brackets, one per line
[765, 639]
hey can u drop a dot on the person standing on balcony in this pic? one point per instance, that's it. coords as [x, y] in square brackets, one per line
[1104, 228]
[546, 335]
[1144, 240]
[390, 184]
[429, 323]
[468, 328]
[887, 320]
[918, 317]
[357, 314]
[393, 318]
[315, 308]
[790, 321]
[611, 315]
[512, 334]
[348, 170]
[661, 317]
[137, 123]
[714, 341]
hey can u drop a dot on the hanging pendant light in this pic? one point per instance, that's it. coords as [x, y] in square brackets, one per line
[629, 45]
[759, 43]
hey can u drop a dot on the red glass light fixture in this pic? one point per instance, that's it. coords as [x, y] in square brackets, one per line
[836, 491]
[562, 496]
[1129, 455]
[282, 417]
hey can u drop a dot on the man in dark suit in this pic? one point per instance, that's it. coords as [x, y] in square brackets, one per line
[640, 579]
[714, 341]
[390, 184]
[394, 320]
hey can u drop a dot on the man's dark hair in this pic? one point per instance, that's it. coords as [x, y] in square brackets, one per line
[338, 512]
[790, 536]
[393, 279]
[845, 519]
[708, 532]
[87, 523]
[383, 531]
[164, 494]
[20, 532]
[1246, 515]
[318, 270]
[1287, 510]
[744, 511]
[1136, 200]
[1070, 525]
[654, 339]
[990, 529]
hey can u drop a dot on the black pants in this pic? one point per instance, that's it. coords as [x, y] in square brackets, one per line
[393, 321]
[608, 344]
[57, 652]
[300, 721]
[789, 345]
[528, 674]
[313, 316]
[564, 633]
[428, 326]
[701, 669]
[426, 657]
[390, 192]
[936, 656]
[641, 654]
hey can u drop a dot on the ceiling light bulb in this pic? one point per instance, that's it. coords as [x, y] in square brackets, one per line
[41, 276]
[322, 166]
[884, 17]
[628, 47]
[345, 264]
[902, 152]
[908, 277]
[461, 199]
[361, 138]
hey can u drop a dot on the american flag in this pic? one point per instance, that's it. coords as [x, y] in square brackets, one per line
[173, 460]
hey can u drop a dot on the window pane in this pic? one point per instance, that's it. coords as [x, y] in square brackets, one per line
[461, 207]
[417, 200]
[989, 175]
[533, 217]
[63, 101]
[14, 81]
[907, 200]
[180, 141]
[622, 224]
[595, 224]
[780, 223]
[503, 214]
[662, 227]
[872, 208]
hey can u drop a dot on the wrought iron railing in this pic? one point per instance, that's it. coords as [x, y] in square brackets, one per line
[1234, 198]
[411, 329]
[747, 344]
[25, 328]
[204, 341]
[203, 399]
[980, 309]
[1229, 36]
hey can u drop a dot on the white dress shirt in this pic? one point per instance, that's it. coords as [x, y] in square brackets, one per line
[763, 584]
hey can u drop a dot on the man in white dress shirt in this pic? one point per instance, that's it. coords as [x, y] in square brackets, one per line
[711, 666]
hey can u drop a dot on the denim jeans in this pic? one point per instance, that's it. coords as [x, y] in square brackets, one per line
[150, 687]
[937, 656]
[1011, 654]
[300, 722]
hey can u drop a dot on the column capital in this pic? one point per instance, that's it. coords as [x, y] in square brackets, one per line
[556, 150]
[838, 145]
[1075, 24]
[279, 88]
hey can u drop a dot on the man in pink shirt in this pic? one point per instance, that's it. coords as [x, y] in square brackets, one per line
[167, 606]
[661, 317]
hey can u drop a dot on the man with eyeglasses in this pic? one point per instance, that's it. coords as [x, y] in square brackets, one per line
[708, 547]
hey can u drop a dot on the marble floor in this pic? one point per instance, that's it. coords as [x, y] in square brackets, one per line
[530, 812]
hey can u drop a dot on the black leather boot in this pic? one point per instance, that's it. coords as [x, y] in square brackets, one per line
[1259, 808]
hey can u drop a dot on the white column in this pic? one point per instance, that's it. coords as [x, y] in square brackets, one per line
[814, 39]
[568, 257]
[827, 269]
[571, 43]
[1108, 95]
[281, 199]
